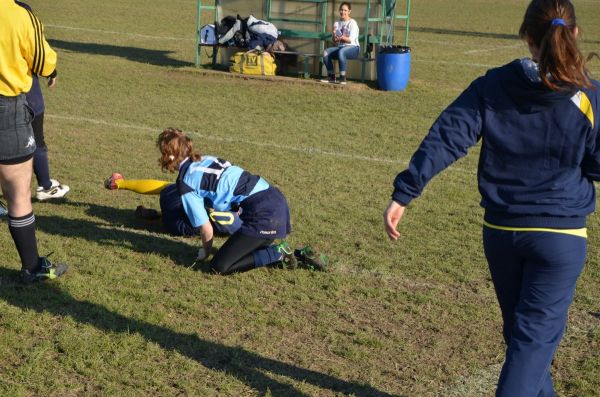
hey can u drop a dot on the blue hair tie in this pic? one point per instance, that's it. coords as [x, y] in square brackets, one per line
[558, 21]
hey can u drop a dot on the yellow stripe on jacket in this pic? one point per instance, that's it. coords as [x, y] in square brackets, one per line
[581, 100]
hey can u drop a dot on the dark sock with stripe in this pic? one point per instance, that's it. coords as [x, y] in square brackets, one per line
[266, 256]
[22, 230]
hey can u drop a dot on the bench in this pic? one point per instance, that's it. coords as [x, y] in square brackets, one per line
[368, 40]
[306, 56]
[305, 60]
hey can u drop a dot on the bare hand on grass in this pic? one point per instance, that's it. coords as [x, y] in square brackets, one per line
[392, 215]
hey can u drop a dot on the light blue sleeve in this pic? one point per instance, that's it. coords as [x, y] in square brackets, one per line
[193, 205]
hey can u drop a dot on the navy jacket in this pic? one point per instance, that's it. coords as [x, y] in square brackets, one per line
[540, 149]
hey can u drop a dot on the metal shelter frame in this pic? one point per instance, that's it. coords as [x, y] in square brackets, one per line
[382, 23]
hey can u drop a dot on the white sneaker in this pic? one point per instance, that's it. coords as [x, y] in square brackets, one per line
[55, 191]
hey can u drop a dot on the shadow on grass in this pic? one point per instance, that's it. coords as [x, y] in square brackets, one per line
[456, 32]
[100, 233]
[248, 367]
[125, 217]
[136, 54]
[111, 236]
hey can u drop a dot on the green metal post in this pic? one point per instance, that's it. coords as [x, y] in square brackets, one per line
[198, 11]
[407, 23]
[199, 8]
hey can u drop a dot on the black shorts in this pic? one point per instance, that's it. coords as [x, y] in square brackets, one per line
[17, 142]
[266, 215]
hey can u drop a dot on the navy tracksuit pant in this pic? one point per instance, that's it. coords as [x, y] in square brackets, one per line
[534, 274]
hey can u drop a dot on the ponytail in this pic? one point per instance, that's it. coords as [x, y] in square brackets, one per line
[551, 26]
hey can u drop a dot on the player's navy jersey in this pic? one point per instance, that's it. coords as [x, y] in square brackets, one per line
[217, 181]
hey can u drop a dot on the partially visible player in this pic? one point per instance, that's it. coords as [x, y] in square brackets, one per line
[171, 212]
[48, 188]
[264, 213]
[538, 120]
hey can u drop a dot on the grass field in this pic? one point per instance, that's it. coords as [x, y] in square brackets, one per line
[412, 318]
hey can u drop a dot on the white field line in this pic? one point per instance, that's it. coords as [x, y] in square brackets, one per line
[496, 48]
[472, 51]
[268, 145]
[309, 150]
[470, 64]
[144, 36]
[445, 43]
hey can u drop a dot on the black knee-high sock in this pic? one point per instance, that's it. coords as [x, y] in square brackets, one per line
[22, 230]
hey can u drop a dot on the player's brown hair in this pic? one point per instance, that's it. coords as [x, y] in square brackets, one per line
[174, 146]
[552, 27]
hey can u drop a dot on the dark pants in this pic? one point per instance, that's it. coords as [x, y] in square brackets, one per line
[173, 216]
[342, 54]
[38, 131]
[41, 168]
[534, 274]
[236, 254]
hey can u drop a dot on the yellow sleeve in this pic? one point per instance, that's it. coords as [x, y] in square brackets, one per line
[40, 57]
[142, 186]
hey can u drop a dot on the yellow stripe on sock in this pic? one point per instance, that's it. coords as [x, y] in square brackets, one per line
[573, 232]
[142, 186]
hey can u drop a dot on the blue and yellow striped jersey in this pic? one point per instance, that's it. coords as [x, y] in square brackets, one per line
[214, 183]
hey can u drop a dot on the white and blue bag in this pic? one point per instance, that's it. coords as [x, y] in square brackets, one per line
[208, 34]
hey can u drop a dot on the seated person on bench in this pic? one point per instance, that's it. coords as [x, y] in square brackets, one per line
[345, 36]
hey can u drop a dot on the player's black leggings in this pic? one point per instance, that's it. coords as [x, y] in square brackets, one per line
[236, 254]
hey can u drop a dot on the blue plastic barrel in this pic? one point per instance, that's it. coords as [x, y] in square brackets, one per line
[393, 68]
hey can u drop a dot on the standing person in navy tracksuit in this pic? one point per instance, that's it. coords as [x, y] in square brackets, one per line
[265, 215]
[539, 122]
[47, 188]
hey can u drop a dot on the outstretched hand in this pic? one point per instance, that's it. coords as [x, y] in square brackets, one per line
[392, 215]
[51, 82]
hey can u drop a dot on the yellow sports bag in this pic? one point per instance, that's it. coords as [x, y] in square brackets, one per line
[253, 63]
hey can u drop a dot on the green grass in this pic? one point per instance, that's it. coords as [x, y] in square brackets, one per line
[414, 318]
